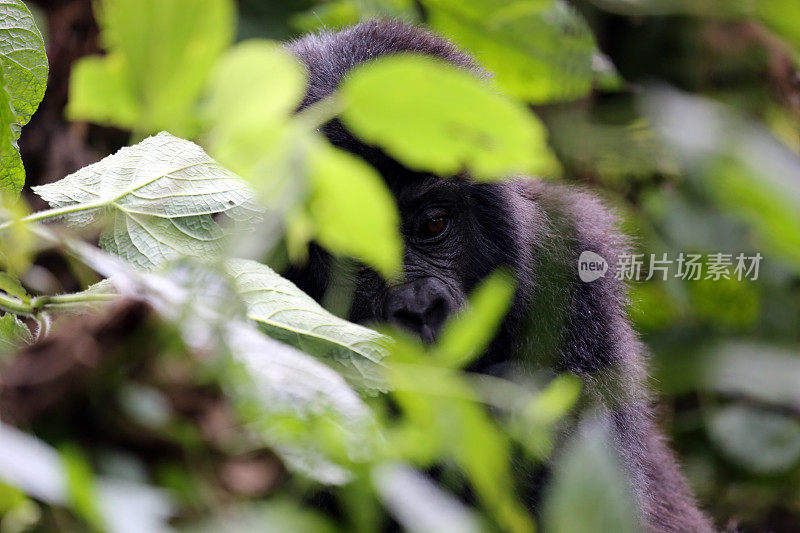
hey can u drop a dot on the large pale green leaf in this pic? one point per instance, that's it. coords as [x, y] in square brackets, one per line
[159, 57]
[160, 196]
[433, 116]
[23, 78]
[300, 407]
[285, 313]
[539, 50]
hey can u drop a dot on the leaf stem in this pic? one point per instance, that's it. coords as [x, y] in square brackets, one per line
[14, 305]
[55, 212]
[44, 303]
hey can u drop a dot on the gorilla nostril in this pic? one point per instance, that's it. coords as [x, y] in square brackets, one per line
[407, 319]
[420, 307]
[436, 313]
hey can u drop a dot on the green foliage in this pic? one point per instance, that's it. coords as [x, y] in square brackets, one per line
[23, 76]
[159, 57]
[160, 196]
[540, 51]
[343, 222]
[236, 380]
[469, 335]
[13, 333]
[760, 440]
[289, 315]
[601, 501]
[442, 119]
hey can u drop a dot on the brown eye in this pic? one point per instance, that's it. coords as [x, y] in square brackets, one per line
[433, 227]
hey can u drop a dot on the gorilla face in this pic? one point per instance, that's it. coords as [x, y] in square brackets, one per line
[453, 232]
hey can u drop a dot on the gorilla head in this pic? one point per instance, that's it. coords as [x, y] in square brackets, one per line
[456, 232]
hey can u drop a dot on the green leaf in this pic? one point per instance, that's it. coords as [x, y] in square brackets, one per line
[99, 91]
[23, 76]
[285, 313]
[420, 505]
[35, 468]
[744, 169]
[436, 117]
[13, 333]
[783, 17]
[354, 212]
[254, 83]
[764, 441]
[81, 484]
[336, 15]
[160, 196]
[277, 514]
[540, 51]
[12, 286]
[589, 491]
[159, 57]
[253, 91]
[468, 335]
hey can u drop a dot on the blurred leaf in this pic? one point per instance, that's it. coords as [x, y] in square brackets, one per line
[758, 371]
[745, 169]
[99, 91]
[540, 50]
[330, 15]
[161, 195]
[757, 439]
[19, 513]
[128, 507]
[34, 467]
[419, 505]
[443, 417]
[13, 333]
[255, 84]
[295, 404]
[354, 212]
[535, 424]
[783, 17]
[285, 313]
[12, 286]
[589, 491]
[17, 243]
[434, 116]
[468, 334]
[81, 491]
[23, 76]
[278, 515]
[159, 57]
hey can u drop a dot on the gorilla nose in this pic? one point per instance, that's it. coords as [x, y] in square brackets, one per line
[421, 307]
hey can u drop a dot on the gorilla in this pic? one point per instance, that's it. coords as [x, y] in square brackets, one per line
[457, 231]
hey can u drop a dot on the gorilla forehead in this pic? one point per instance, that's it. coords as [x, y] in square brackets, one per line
[414, 190]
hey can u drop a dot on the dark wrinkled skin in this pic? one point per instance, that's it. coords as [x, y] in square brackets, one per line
[535, 228]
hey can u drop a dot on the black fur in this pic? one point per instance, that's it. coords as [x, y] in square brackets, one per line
[538, 229]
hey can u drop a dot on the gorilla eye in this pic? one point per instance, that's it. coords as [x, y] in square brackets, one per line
[432, 227]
